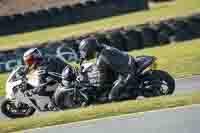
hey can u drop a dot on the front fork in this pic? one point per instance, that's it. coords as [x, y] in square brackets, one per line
[81, 94]
[34, 104]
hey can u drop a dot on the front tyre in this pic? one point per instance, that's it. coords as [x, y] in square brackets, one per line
[9, 109]
[158, 83]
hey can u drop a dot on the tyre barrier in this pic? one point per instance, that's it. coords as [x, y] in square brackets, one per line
[125, 38]
[59, 16]
[7, 60]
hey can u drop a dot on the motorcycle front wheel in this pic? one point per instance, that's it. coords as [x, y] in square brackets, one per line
[9, 109]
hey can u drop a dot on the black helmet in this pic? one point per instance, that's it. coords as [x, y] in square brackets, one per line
[32, 56]
[69, 73]
[88, 48]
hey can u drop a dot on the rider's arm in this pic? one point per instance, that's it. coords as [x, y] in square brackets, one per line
[42, 77]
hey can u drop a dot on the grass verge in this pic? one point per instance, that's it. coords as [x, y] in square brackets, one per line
[3, 78]
[165, 11]
[99, 111]
[180, 59]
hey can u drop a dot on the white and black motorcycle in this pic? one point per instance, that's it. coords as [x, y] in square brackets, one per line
[19, 101]
[13, 106]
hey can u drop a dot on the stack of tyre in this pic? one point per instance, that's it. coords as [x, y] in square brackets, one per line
[125, 38]
[68, 14]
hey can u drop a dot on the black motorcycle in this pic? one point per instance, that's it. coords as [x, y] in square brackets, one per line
[151, 82]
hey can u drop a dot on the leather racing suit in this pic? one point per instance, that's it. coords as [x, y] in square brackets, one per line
[120, 63]
[43, 68]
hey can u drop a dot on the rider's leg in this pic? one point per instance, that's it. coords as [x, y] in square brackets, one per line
[115, 91]
[121, 84]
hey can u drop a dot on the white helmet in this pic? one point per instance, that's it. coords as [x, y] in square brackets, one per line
[32, 56]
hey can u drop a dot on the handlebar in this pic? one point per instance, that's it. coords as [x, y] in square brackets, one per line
[28, 93]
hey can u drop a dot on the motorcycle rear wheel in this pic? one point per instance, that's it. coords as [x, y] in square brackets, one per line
[65, 100]
[158, 83]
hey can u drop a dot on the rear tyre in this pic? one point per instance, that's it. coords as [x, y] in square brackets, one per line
[158, 83]
[65, 100]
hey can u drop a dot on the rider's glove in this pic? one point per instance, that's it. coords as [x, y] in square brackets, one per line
[28, 93]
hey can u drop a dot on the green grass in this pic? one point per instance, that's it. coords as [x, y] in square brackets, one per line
[99, 111]
[3, 78]
[157, 13]
[180, 59]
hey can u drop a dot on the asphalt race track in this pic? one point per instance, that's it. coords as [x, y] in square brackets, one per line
[180, 120]
[182, 86]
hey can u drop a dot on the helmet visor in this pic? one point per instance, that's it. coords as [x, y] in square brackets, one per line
[28, 60]
[83, 54]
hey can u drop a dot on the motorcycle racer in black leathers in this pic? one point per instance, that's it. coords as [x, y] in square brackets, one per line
[108, 57]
